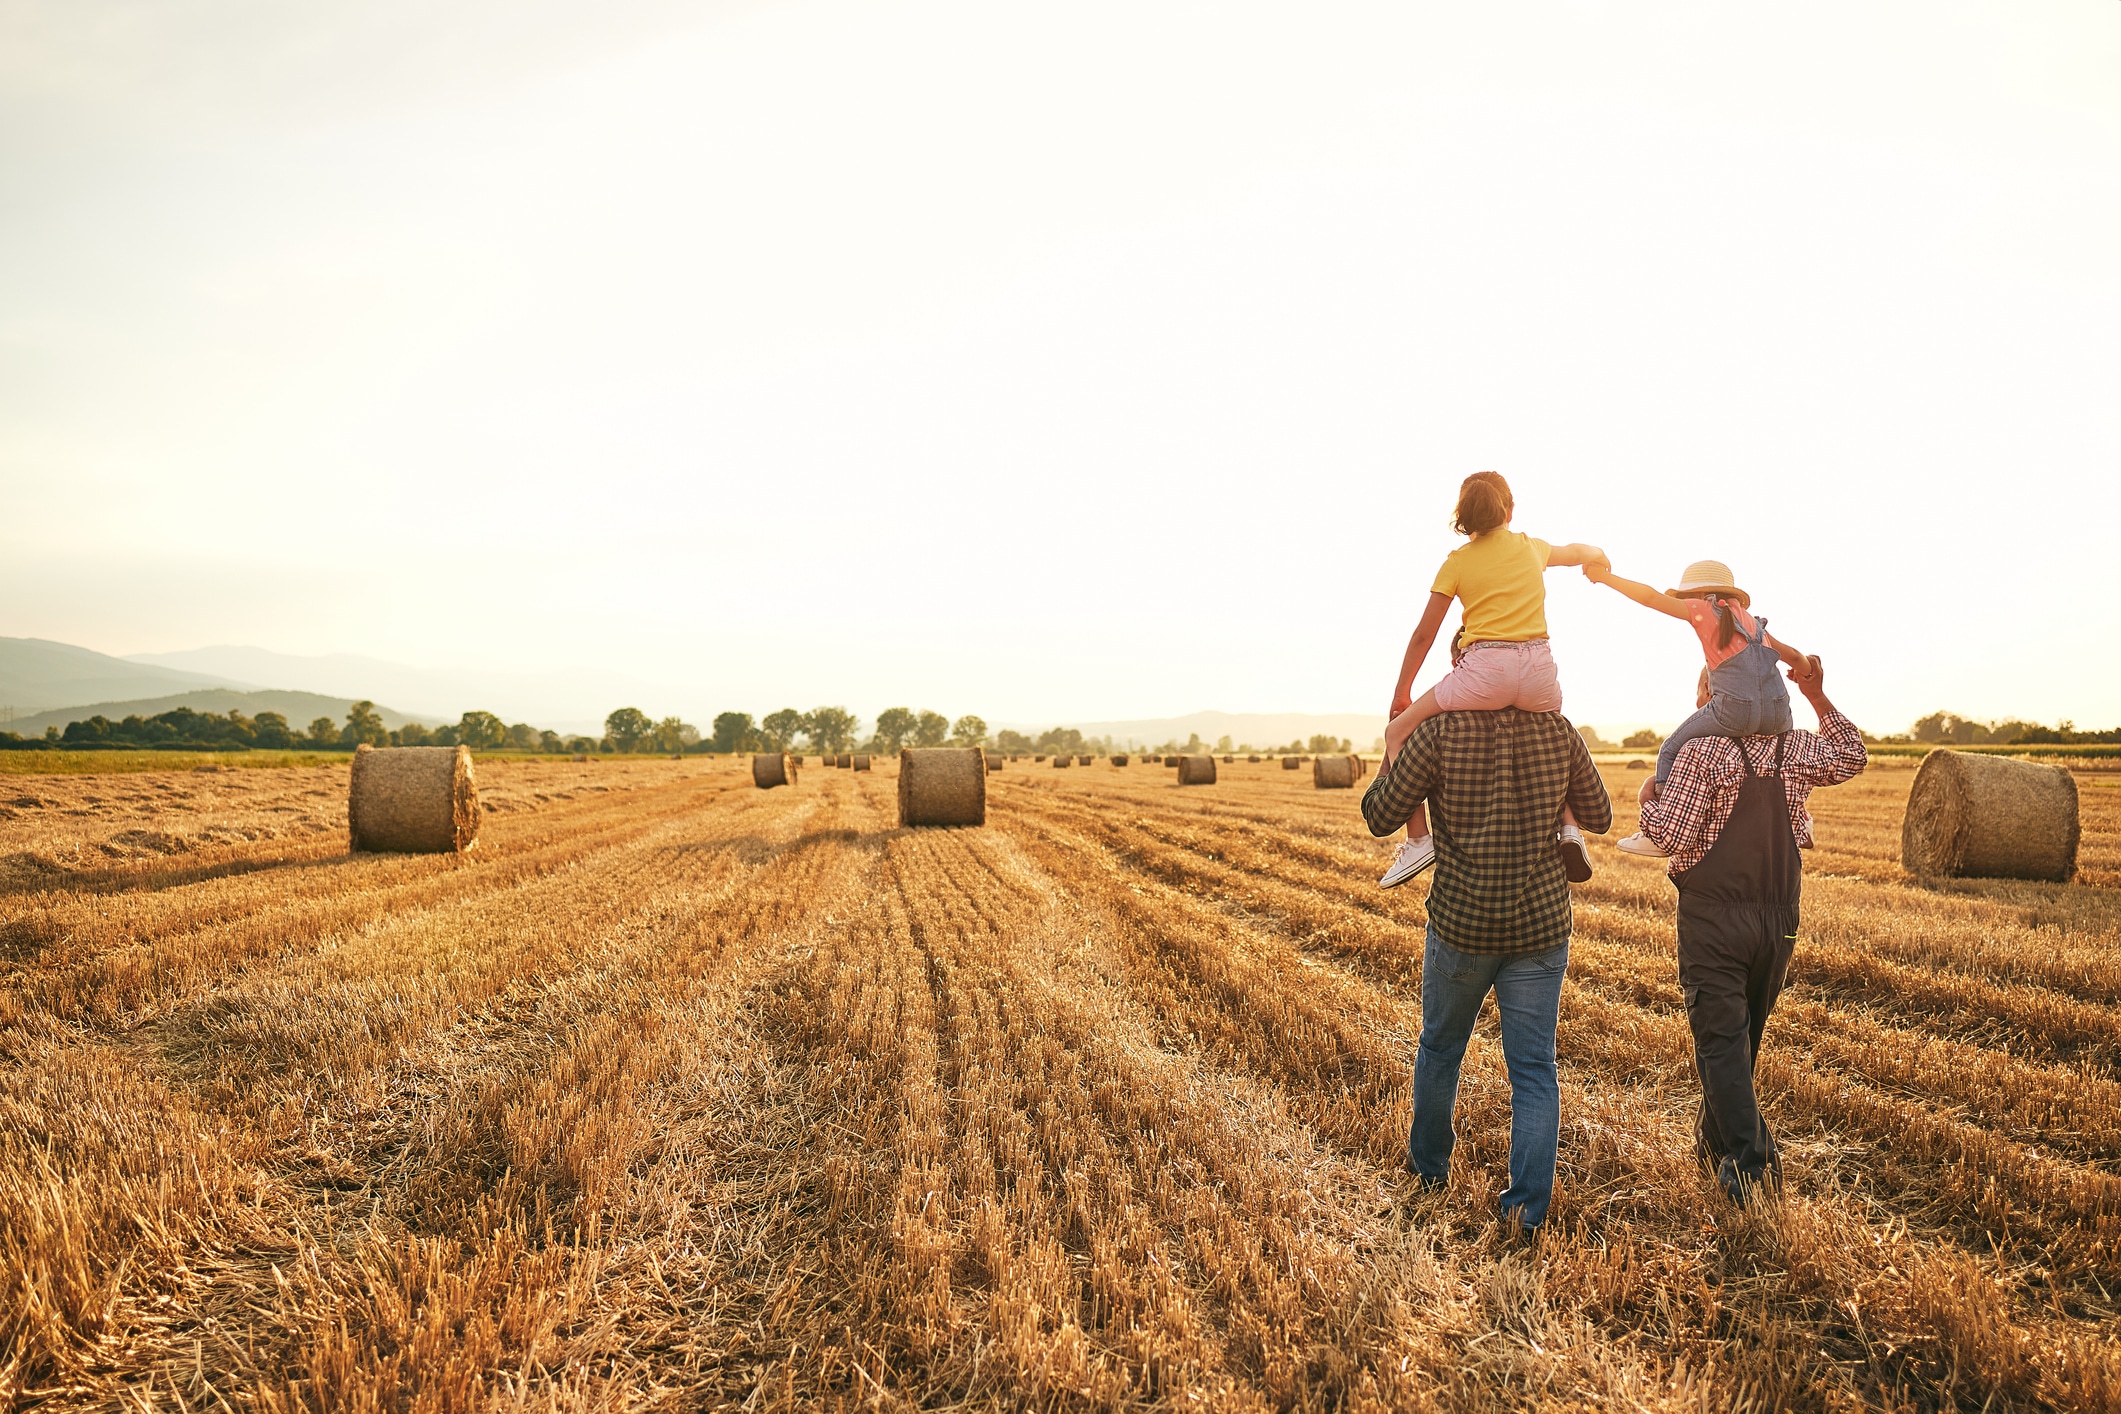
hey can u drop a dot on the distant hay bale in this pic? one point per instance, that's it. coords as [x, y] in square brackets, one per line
[994, 760]
[1059, 761]
[845, 761]
[1638, 764]
[1288, 763]
[1196, 770]
[1038, 758]
[1084, 760]
[1253, 759]
[1989, 817]
[1173, 760]
[860, 761]
[942, 785]
[1120, 760]
[1333, 772]
[579, 756]
[771, 768]
[412, 800]
[1362, 767]
[1228, 760]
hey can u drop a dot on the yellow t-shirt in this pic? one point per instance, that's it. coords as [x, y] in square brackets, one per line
[1500, 579]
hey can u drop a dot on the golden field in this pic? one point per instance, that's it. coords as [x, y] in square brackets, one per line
[675, 1093]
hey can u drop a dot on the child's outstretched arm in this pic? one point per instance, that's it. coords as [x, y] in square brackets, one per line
[1568, 556]
[1641, 593]
[1418, 651]
[1799, 663]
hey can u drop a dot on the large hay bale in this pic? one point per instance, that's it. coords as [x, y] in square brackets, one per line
[1060, 761]
[942, 785]
[1196, 770]
[1989, 817]
[771, 768]
[1120, 760]
[1173, 760]
[412, 800]
[1289, 763]
[1362, 767]
[860, 760]
[1333, 772]
[845, 761]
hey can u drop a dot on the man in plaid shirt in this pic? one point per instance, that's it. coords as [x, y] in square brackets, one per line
[1732, 817]
[1499, 916]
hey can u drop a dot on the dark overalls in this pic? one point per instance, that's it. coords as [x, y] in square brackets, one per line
[1737, 928]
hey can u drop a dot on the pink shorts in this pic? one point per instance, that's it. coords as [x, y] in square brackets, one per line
[1493, 675]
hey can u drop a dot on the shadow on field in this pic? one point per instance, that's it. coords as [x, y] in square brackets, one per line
[2075, 907]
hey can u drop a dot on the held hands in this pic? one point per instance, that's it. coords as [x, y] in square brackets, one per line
[1812, 681]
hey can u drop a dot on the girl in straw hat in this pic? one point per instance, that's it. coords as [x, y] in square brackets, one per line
[1500, 659]
[1747, 697]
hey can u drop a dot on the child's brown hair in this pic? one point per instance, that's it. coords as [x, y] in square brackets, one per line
[1484, 503]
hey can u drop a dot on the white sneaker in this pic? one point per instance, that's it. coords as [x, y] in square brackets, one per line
[1412, 857]
[1640, 843]
[1575, 855]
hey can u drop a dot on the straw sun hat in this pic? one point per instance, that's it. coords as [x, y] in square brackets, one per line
[1710, 576]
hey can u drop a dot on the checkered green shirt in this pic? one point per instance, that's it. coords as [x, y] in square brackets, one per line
[1495, 783]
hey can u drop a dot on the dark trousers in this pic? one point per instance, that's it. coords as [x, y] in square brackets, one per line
[1733, 958]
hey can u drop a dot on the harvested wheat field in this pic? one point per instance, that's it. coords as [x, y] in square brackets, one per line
[679, 1093]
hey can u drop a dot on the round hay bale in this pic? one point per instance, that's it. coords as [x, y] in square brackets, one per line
[1288, 763]
[1196, 770]
[580, 756]
[1038, 758]
[1989, 817]
[1253, 759]
[845, 761]
[942, 785]
[1362, 767]
[1060, 761]
[1173, 760]
[1084, 760]
[771, 768]
[1120, 760]
[1333, 772]
[860, 761]
[994, 760]
[412, 800]
[1638, 765]
[1227, 760]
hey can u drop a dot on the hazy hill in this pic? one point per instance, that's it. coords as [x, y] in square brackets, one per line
[37, 675]
[300, 709]
[566, 700]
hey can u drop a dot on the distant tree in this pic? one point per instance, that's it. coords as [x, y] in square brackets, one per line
[411, 734]
[968, 730]
[324, 732]
[549, 742]
[1014, 743]
[931, 729]
[780, 729]
[581, 745]
[733, 731]
[445, 735]
[272, 732]
[625, 728]
[521, 736]
[364, 725]
[1057, 741]
[893, 726]
[1222, 744]
[96, 728]
[1591, 739]
[831, 728]
[1644, 740]
[481, 731]
[1323, 745]
[669, 735]
[1193, 744]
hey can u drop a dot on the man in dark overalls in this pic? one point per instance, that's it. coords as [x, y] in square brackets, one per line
[1732, 817]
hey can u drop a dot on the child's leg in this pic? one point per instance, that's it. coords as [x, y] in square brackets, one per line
[1396, 733]
[1702, 723]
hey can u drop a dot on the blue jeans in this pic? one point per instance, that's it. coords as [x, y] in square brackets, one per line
[1527, 989]
[1726, 716]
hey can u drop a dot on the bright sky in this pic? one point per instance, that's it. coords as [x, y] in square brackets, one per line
[1084, 360]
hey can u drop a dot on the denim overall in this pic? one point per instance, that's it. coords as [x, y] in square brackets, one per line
[1747, 698]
